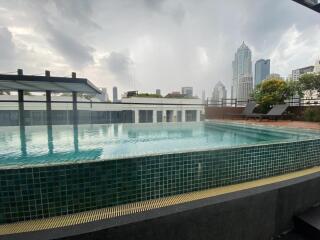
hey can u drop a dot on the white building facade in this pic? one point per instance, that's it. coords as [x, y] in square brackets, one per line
[317, 66]
[165, 109]
[300, 71]
[134, 109]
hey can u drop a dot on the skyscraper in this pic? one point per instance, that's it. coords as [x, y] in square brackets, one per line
[158, 91]
[242, 72]
[219, 92]
[262, 70]
[203, 97]
[115, 94]
[187, 91]
[317, 66]
[245, 88]
[103, 96]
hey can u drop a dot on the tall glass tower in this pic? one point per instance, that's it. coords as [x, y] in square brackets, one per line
[262, 70]
[242, 70]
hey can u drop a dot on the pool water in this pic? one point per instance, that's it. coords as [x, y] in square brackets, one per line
[36, 145]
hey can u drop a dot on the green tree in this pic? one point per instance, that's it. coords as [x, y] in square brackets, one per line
[294, 89]
[308, 83]
[274, 91]
[317, 83]
[149, 95]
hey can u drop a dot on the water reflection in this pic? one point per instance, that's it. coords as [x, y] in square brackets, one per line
[23, 141]
[54, 144]
[50, 139]
[116, 130]
[76, 138]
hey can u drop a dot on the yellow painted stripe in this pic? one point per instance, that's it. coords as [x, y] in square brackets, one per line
[127, 209]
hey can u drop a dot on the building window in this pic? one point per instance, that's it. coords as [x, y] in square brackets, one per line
[179, 116]
[159, 116]
[145, 116]
[191, 115]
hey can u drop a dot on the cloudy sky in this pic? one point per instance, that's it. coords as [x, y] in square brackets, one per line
[149, 44]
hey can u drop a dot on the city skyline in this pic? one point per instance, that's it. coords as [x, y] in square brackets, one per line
[165, 43]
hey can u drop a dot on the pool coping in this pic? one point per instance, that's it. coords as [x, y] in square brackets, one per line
[252, 126]
[91, 221]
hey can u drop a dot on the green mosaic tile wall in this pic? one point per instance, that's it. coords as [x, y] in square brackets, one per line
[39, 192]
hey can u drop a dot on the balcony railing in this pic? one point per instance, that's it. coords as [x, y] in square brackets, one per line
[233, 102]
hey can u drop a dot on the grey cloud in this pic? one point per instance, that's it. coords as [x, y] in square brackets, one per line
[119, 64]
[65, 40]
[7, 48]
[178, 13]
[79, 11]
[273, 19]
[162, 36]
[63, 24]
[155, 5]
[77, 54]
[173, 9]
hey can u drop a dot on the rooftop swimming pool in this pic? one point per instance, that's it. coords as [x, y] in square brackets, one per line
[61, 144]
[60, 170]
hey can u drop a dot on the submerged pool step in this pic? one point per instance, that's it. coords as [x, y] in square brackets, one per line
[308, 223]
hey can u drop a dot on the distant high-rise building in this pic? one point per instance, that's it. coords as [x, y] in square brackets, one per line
[262, 70]
[103, 96]
[242, 69]
[187, 91]
[203, 96]
[115, 94]
[219, 92]
[158, 91]
[317, 66]
[245, 88]
[300, 71]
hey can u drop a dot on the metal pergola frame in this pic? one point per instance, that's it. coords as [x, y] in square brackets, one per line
[48, 84]
[309, 4]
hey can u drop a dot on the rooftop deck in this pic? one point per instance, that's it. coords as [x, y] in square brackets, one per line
[280, 123]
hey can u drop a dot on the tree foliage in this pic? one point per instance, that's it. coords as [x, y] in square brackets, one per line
[274, 91]
[316, 83]
[309, 83]
[312, 114]
[149, 95]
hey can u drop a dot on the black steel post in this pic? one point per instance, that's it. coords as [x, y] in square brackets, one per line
[49, 112]
[75, 109]
[21, 108]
